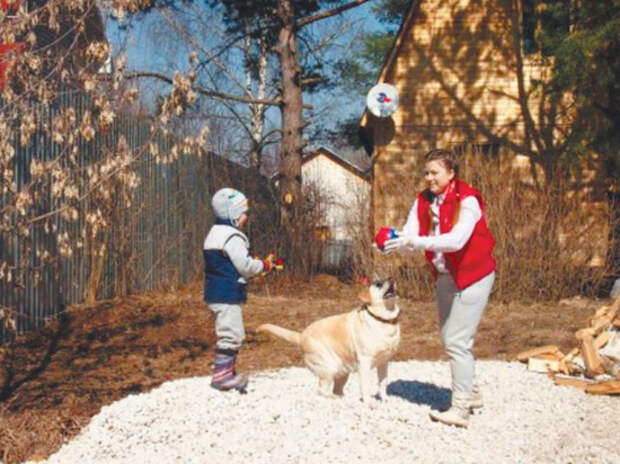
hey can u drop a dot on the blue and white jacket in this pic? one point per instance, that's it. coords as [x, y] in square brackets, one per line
[228, 264]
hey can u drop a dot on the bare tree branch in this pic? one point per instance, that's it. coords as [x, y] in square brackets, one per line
[311, 80]
[328, 13]
[203, 91]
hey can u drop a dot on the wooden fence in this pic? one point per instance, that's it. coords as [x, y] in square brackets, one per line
[156, 240]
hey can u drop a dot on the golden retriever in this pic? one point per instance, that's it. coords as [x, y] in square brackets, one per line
[359, 340]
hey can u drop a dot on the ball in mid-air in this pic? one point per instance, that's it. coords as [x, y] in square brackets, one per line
[382, 100]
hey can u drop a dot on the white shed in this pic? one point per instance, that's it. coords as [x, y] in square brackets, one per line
[342, 187]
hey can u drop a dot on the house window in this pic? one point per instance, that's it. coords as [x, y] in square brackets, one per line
[551, 16]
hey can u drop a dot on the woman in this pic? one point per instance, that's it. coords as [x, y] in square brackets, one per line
[447, 221]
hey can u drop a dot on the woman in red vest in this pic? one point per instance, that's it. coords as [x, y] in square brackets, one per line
[447, 221]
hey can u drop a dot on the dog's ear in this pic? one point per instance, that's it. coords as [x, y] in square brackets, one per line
[364, 295]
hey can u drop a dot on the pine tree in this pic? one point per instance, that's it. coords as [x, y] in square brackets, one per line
[283, 19]
[586, 65]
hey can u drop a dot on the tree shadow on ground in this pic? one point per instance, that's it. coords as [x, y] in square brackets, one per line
[420, 393]
[14, 377]
[89, 358]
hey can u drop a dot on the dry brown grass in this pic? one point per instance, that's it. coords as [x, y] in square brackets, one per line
[54, 380]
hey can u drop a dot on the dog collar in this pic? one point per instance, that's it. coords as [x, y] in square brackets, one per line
[387, 321]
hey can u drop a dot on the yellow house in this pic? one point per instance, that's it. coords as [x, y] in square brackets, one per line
[469, 77]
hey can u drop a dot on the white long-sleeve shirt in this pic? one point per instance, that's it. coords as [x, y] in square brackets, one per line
[235, 244]
[469, 215]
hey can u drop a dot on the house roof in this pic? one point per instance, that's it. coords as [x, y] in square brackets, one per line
[339, 159]
[404, 26]
[393, 53]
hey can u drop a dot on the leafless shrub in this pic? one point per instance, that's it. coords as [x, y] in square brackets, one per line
[65, 193]
[551, 236]
[311, 231]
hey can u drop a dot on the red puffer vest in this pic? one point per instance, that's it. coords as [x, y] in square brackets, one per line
[475, 260]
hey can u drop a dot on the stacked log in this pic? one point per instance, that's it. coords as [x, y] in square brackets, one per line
[594, 364]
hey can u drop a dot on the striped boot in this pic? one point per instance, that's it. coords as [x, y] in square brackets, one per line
[224, 375]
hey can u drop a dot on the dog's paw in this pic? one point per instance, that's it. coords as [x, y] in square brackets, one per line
[327, 394]
[380, 397]
[371, 402]
[374, 403]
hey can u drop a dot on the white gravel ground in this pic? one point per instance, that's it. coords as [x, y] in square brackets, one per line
[282, 419]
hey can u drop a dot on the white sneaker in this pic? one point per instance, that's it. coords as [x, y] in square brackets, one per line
[458, 414]
[475, 400]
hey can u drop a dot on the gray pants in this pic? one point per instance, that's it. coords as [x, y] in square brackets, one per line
[459, 315]
[228, 325]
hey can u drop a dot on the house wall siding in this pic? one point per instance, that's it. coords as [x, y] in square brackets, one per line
[456, 72]
[343, 192]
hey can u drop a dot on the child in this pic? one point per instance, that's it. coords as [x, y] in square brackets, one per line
[228, 265]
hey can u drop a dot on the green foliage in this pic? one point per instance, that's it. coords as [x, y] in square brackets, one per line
[391, 11]
[261, 14]
[586, 64]
[345, 134]
[549, 21]
[376, 47]
[359, 71]
[265, 18]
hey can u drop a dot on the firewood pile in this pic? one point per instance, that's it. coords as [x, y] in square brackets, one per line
[594, 364]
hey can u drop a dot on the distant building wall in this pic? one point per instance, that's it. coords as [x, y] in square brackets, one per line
[344, 193]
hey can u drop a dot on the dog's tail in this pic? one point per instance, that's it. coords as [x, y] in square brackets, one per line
[286, 334]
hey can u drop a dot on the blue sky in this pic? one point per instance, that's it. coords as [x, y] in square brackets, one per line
[149, 48]
[146, 53]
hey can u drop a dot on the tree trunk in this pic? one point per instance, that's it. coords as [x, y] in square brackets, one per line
[98, 254]
[257, 110]
[291, 112]
[291, 107]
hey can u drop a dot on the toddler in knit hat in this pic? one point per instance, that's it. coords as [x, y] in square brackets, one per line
[229, 205]
[228, 266]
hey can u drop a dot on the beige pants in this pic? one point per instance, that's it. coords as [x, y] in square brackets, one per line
[229, 328]
[459, 315]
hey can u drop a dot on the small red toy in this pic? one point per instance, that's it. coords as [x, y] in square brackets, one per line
[270, 262]
[383, 235]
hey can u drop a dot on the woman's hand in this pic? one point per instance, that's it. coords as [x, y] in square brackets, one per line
[401, 243]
